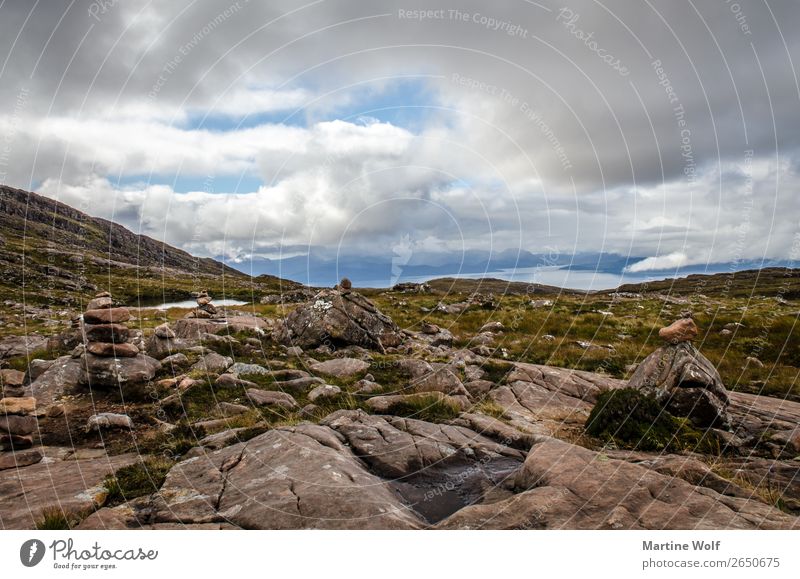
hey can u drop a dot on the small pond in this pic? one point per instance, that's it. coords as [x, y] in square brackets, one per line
[192, 304]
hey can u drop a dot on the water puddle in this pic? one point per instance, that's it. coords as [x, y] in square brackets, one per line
[437, 492]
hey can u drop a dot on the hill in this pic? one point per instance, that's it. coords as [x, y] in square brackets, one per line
[57, 254]
[770, 281]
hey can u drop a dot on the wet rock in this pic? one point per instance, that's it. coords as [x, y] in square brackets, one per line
[339, 318]
[685, 382]
[397, 447]
[340, 367]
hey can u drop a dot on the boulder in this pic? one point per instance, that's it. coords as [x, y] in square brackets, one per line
[683, 330]
[194, 328]
[164, 331]
[389, 404]
[111, 372]
[109, 350]
[107, 316]
[340, 367]
[100, 303]
[178, 360]
[213, 362]
[109, 421]
[271, 398]
[685, 382]
[116, 333]
[164, 347]
[62, 375]
[340, 319]
[38, 367]
[324, 392]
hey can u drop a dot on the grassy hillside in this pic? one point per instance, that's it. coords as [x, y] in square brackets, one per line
[53, 254]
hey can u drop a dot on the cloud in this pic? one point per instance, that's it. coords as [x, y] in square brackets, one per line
[663, 262]
[364, 127]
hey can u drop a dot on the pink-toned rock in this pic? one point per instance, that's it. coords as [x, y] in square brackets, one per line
[21, 406]
[683, 330]
[107, 316]
[109, 350]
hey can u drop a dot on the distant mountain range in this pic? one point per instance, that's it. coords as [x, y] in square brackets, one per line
[321, 268]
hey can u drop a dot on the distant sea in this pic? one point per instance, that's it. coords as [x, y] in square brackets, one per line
[548, 275]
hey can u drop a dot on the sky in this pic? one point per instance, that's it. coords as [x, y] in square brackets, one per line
[666, 129]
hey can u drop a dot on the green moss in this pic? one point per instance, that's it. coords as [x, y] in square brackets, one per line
[137, 480]
[429, 408]
[631, 419]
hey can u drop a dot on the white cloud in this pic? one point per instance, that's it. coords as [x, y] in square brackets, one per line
[663, 262]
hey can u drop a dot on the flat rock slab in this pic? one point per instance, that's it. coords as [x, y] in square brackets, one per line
[564, 486]
[340, 367]
[289, 478]
[69, 484]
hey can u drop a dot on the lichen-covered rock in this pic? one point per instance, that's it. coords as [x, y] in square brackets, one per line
[683, 330]
[685, 382]
[110, 372]
[337, 318]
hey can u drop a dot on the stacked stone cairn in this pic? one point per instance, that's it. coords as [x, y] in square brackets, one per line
[204, 309]
[110, 359]
[17, 420]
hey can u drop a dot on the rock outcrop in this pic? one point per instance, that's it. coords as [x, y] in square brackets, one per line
[685, 382]
[339, 318]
